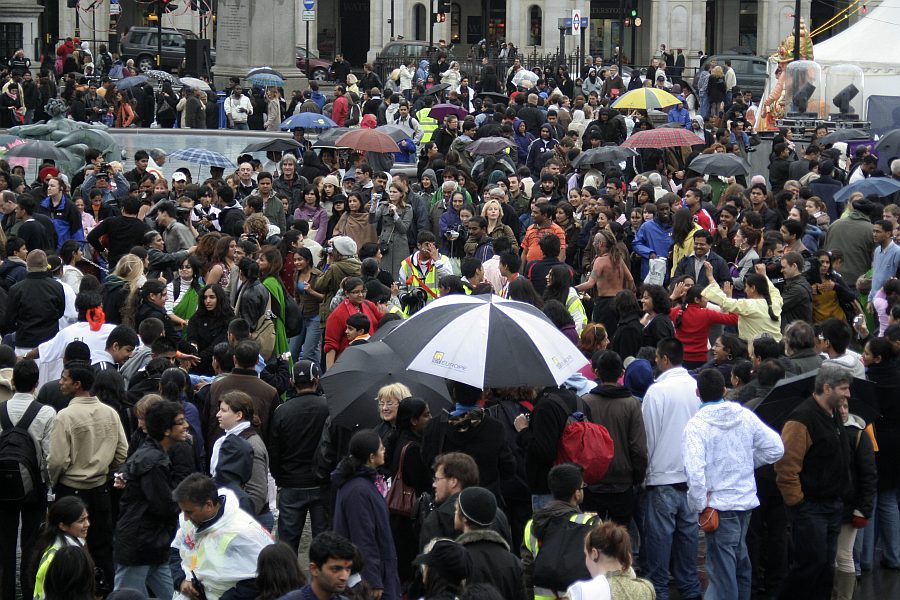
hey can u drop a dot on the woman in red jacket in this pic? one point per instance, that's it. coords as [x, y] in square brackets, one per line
[692, 321]
[335, 327]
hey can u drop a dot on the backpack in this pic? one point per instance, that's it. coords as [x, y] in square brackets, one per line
[559, 561]
[20, 473]
[293, 318]
[584, 443]
[353, 117]
[264, 328]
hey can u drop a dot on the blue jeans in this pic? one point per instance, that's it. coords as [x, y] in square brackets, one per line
[727, 560]
[704, 106]
[140, 577]
[888, 513]
[669, 536]
[312, 339]
[293, 506]
[241, 127]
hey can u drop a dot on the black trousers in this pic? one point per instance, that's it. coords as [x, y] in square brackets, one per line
[30, 517]
[814, 532]
[618, 507]
[100, 534]
[767, 539]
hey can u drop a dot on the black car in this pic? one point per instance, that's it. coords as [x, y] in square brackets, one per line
[140, 44]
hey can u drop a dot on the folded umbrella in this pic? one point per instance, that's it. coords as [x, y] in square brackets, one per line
[719, 163]
[603, 154]
[352, 384]
[871, 186]
[486, 341]
[307, 120]
[490, 145]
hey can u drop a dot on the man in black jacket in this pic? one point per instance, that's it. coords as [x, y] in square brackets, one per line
[123, 232]
[779, 166]
[796, 293]
[35, 305]
[694, 265]
[294, 438]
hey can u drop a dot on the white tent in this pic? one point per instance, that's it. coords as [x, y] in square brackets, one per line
[870, 44]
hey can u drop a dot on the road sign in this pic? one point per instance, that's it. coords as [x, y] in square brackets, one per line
[309, 4]
[309, 15]
[576, 22]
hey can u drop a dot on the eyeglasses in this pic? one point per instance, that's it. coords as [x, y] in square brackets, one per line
[436, 478]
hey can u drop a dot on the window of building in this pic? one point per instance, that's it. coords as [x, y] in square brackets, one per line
[419, 19]
[11, 38]
[536, 26]
[455, 23]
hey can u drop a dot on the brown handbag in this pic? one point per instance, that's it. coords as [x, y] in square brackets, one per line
[709, 519]
[401, 498]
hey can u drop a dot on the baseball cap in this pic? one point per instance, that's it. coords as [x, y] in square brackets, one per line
[179, 176]
[305, 371]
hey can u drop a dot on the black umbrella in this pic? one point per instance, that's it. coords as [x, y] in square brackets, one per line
[395, 132]
[352, 384]
[493, 96]
[274, 145]
[718, 163]
[842, 135]
[327, 138]
[789, 393]
[489, 145]
[603, 154]
[39, 149]
[437, 89]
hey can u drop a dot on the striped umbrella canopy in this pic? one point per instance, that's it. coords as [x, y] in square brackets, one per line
[661, 137]
[486, 341]
[202, 156]
[646, 99]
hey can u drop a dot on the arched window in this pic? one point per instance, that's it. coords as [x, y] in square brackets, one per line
[455, 23]
[419, 22]
[535, 26]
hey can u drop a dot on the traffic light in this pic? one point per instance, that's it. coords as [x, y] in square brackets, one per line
[438, 18]
[443, 6]
[634, 9]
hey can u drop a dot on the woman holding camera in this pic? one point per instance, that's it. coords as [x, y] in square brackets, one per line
[395, 216]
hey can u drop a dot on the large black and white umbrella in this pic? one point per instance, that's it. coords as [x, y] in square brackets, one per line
[486, 341]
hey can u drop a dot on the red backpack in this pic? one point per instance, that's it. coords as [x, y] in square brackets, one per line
[586, 444]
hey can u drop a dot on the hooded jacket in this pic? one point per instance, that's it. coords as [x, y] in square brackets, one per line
[494, 563]
[722, 444]
[361, 515]
[66, 219]
[614, 407]
[33, 309]
[523, 141]
[859, 498]
[540, 151]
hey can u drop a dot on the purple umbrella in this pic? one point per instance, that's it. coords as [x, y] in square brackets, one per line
[439, 111]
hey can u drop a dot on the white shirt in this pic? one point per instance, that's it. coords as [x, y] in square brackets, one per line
[70, 315]
[667, 407]
[723, 443]
[594, 589]
[232, 105]
[52, 351]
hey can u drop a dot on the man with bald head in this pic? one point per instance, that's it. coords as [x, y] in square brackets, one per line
[533, 116]
[246, 183]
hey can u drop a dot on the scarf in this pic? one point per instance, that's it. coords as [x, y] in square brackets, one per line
[214, 459]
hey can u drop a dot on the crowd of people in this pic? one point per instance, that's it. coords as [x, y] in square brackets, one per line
[164, 341]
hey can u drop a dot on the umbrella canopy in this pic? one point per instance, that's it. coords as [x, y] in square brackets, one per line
[275, 145]
[264, 80]
[352, 384]
[130, 82]
[661, 138]
[439, 111]
[328, 138]
[603, 154]
[718, 163]
[368, 140]
[493, 96]
[891, 138]
[38, 149]
[524, 75]
[489, 145]
[789, 393]
[394, 132]
[436, 89]
[202, 156]
[8, 141]
[873, 186]
[264, 71]
[646, 99]
[160, 76]
[486, 341]
[842, 135]
[193, 82]
[307, 120]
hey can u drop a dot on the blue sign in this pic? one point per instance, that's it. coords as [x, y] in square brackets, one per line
[584, 21]
[309, 4]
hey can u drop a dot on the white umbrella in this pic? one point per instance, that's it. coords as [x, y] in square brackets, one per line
[486, 341]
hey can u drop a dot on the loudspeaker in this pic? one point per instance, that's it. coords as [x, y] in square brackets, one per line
[197, 59]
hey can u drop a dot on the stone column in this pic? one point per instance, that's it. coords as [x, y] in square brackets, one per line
[26, 12]
[774, 23]
[251, 33]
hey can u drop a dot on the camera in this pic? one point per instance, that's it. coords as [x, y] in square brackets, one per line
[773, 269]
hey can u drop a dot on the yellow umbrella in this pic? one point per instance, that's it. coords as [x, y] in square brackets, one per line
[646, 99]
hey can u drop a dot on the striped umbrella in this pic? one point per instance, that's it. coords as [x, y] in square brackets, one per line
[661, 137]
[646, 99]
[202, 156]
[485, 341]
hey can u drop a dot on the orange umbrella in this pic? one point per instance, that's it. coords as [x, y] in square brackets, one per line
[367, 140]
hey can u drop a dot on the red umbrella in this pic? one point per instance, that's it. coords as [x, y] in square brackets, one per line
[368, 140]
[661, 137]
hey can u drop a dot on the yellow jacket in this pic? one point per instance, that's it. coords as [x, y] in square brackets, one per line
[686, 249]
[754, 312]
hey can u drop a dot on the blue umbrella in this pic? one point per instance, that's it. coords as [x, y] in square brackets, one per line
[130, 82]
[201, 156]
[263, 80]
[307, 120]
[873, 186]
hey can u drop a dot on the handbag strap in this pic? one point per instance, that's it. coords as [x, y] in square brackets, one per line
[399, 476]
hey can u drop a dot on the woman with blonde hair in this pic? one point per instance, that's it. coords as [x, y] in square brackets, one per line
[121, 286]
[492, 211]
[607, 556]
[388, 399]
[273, 110]
[395, 216]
